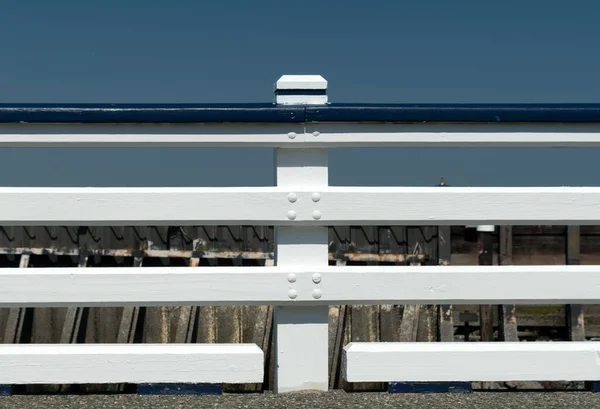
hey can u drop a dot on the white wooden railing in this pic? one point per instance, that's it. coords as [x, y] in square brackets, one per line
[301, 284]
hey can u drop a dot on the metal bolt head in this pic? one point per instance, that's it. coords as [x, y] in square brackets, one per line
[291, 277]
[292, 135]
[292, 197]
[316, 278]
[316, 215]
[292, 294]
[291, 215]
[317, 294]
[316, 133]
[315, 197]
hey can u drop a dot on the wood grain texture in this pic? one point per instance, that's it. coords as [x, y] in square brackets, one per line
[294, 205]
[574, 312]
[159, 286]
[113, 363]
[498, 361]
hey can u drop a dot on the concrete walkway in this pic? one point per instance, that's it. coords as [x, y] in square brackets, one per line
[329, 400]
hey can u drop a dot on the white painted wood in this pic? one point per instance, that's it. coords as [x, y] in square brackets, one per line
[160, 286]
[301, 99]
[141, 206]
[301, 333]
[301, 82]
[131, 363]
[277, 135]
[205, 135]
[270, 135]
[295, 206]
[471, 361]
[346, 135]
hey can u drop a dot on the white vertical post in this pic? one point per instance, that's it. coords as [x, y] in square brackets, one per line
[301, 333]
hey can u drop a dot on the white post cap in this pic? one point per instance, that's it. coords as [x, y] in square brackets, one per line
[301, 90]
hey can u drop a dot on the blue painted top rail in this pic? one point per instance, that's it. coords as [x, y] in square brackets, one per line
[189, 113]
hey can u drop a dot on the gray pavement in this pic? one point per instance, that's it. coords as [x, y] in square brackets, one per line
[328, 400]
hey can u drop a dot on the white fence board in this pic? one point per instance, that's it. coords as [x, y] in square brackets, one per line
[204, 135]
[274, 205]
[130, 363]
[465, 135]
[310, 135]
[161, 286]
[470, 361]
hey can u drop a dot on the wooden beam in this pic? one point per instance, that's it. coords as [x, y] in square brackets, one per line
[72, 323]
[358, 135]
[133, 363]
[507, 312]
[13, 331]
[468, 361]
[301, 333]
[159, 286]
[445, 319]
[294, 206]
[272, 135]
[574, 312]
[485, 247]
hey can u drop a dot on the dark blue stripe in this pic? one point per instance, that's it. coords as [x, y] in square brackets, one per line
[456, 113]
[190, 113]
[430, 387]
[179, 389]
[150, 113]
[301, 92]
[5, 390]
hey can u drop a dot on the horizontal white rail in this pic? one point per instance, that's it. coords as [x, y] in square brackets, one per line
[469, 361]
[288, 206]
[290, 135]
[159, 286]
[116, 363]
[164, 135]
[446, 135]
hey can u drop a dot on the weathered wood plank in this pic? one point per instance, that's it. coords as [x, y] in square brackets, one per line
[337, 325]
[13, 332]
[71, 330]
[507, 313]
[445, 320]
[485, 244]
[574, 312]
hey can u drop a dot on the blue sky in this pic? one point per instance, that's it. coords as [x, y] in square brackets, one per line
[233, 51]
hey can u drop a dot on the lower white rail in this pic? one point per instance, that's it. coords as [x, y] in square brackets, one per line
[122, 363]
[161, 286]
[469, 361]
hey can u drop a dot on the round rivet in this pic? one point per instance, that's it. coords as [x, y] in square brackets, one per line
[317, 294]
[292, 135]
[316, 278]
[316, 215]
[291, 215]
[292, 197]
[291, 277]
[316, 133]
[315, 197]
[292, 294]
